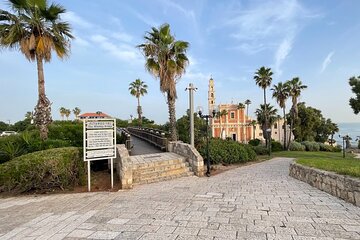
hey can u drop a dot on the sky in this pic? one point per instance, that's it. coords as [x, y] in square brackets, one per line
[317, 41]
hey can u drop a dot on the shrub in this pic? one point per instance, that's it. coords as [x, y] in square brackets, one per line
[261, 150]
[311, 146]
[67, 131]
[326, 148]
[58, 168]
[254, 142]
[296, 146]
[276, 146]
[227, 152]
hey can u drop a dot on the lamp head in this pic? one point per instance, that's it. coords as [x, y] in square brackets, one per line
[199, 110]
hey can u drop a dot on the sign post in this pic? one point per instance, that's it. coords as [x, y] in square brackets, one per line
[99, 143]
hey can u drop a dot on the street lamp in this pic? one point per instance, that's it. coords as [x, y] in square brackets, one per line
[268, 131]
[344, 138]
[206, 117]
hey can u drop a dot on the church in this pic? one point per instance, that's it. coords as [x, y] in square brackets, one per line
[235, 124]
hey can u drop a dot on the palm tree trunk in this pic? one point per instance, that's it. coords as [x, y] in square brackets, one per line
[172, 117]
[247, 115]
[291, 126]
[139, 111]
[43, 107]
[285, 139]
[265, 134]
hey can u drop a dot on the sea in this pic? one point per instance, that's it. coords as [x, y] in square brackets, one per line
[351, 129]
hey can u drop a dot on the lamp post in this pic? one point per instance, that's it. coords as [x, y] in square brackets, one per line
[207, 117]
[191, 89]
[269, 137]
[344, 138]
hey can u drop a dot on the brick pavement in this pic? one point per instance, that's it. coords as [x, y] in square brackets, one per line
[259, 201]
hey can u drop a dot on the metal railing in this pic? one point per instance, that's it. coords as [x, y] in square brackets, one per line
[153, 136]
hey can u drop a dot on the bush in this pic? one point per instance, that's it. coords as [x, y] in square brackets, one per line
[71, 132]
[311, 146]
[254, 142]
[276, 146]
[228, 152]
[261, 150]
[296, 146]
[58, 168]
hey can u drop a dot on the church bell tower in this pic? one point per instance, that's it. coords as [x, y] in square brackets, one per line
[211, 96]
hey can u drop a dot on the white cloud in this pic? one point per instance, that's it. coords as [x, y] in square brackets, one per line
[326, 61]
[123, 36]
[75, 19]
[282, 52]
[122, 51]
[145, 19]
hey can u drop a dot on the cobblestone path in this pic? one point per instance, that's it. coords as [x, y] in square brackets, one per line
[255, 202]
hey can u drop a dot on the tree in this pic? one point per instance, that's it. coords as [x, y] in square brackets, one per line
[183, 127]
[295, 89]
[253, 124]
[266, 116]
[263, 78]
[247, 103]
[36, 29]
[281, 93]
[354, 82]
[29, 116]
[67, 113]
[219, 116]
[76, 112]
[166, 59]
[242, 106]
[62, 111]
[138, 88]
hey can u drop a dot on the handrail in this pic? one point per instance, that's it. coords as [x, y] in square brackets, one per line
[153, 136]
[128, 141]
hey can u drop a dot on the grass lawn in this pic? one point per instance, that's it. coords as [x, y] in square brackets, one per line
[329, 161]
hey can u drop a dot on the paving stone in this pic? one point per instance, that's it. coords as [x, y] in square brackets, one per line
[80, 233]
[104, 235]
[118, 221]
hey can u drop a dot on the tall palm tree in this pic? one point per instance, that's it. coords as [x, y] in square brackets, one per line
[263, 78]
[242, 106]
[166, 59]
[247, 103]
[295, 89]
[281, 93]
[266, 115]
[62, 112]
[76, 112]
[253, 124]
[67, 113]
[138, 88]
[36, 29]
[29, 115]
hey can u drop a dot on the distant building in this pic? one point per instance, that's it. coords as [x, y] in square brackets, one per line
[236, 125]
[97, 115]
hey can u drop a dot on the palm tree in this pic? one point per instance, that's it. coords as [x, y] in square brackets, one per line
[266, 115]
[263, 78]
[76, 112]
[29, 115]
[253, 124]
[281, 93]
[219, 116]
[138, 88]
[242, 106]
[62, 112]
[35, 28]
[67, 113]
[247, 103]
[295, 88]
[166, 59]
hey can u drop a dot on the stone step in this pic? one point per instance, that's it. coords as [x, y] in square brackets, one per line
[159, 174]
[166, 178]
[147, 165]
[159, 168]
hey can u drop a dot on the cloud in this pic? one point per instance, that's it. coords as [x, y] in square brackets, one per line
[122, 51]
[282, 52]
[122, 36]
[145, 19]
[75, 19]
[326, 61]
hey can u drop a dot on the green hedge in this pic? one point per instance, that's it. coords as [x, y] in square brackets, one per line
[228, 152]
[311, 146]
[58, 168]
[261, 150]
[296, 146]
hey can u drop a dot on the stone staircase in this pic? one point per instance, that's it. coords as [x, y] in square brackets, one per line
[158, 167]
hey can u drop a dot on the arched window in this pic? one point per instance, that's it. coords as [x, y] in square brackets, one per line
[275, 126]
[212, 95]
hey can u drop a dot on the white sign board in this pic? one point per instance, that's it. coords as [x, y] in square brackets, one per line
[99, 142]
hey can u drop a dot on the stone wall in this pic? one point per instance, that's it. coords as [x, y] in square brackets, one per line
[124, 167]
[192, 156]
[344, 187]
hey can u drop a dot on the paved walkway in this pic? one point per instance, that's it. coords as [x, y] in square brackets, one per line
[142, 147]
[255, 202]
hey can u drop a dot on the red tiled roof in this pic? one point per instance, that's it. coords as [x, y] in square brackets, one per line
[94, 115]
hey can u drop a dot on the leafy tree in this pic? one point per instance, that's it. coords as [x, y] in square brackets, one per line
[183, 127]
[295, 89]
[67, 113]
[3, 126]
[263, 78]
[166, 59]
[354, 82]
[36, 29]
[62, 111]
[138, 88]
[281, 93]
[29, 115]
[76, 112]
[266, 115]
